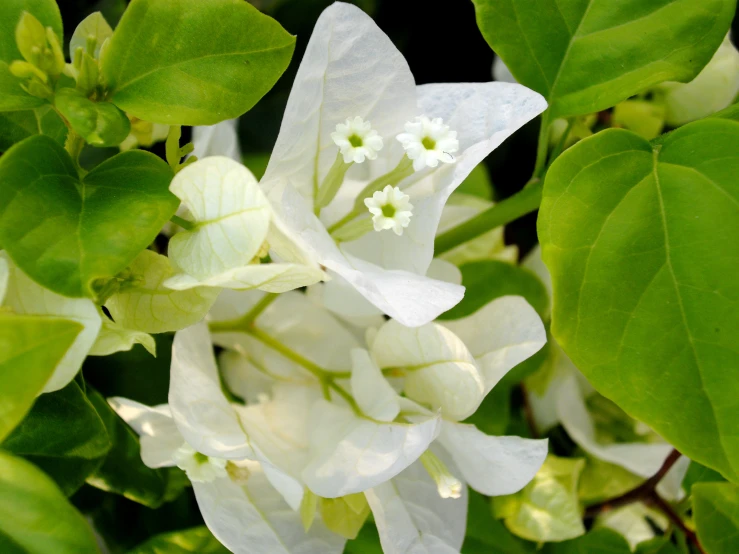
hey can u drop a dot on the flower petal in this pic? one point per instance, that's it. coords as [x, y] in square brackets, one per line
[484, 115]
[160, 437]
[350, 68]
[350, 454]
[269, 277]
[231, 213]
[203, 415]
[24, 296]
[412, 517]
[441, 371]
[492, 465]
[254, 519]
[370, 389]
[500, 335]
[217, 140]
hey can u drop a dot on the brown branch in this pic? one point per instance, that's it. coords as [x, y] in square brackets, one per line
[647, 493]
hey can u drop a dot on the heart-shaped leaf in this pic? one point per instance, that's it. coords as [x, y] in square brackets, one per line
[69, 233]
[640, 240]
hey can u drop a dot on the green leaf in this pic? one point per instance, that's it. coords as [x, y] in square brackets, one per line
[602, 480]
[367, 541]
[598, 541]
[99, 123]
[490, 279]
[63, 435]
[34, 515]
[732, 112]
[30, 349]
[188, 62]
[345, 515]
[698, 473]
[547, 508]
[18, 125]
[123, 472]
[197, 540]
[642, 305]
[12, 96]
[46, 11]
[588, 55]
[716, 511]
[56, 242]
[94, 29]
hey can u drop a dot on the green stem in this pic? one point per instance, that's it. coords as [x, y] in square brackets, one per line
[185, 224]
[523, 202]
[74, 145]
[331, 184]
[244, 322]
[287, 352]
[401, 171]
[172, 147]
[543, 146]
[561, 144]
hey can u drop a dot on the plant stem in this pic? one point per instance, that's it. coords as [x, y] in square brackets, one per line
[74, 145]
[542, 147]
[287, 352]
[185, 224]
[244, 322]
[523, 202]
[647, 493]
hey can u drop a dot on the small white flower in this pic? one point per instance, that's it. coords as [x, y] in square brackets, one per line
[199, 467]
[390, 209]
[357, 140]
[428, 142]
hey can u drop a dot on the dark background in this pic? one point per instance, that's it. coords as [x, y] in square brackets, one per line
[441, 42]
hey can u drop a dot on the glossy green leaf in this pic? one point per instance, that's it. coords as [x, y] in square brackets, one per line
[99, 123]
[367, 541]
[34, 515]
[30, 349]
[490, 279]
[197, 540]
[588, 55]
[698, 473]
[716, 512]
[18, 125]
[123, 472]
[63, 435]
[641, 247]
[190, 62]
[56, 242]
[46, 11]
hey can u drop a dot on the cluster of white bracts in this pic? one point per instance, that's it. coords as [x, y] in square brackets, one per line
[403, 393]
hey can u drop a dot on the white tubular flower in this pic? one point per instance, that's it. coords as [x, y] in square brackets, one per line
[357, 140]
[390, 209]
[428, 142]
[199, 467]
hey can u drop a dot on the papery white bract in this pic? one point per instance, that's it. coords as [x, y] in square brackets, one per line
[351, 69]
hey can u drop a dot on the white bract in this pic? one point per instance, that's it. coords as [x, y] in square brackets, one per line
[238, 503]
[357, 140]
[351, 71]
[390, 209]
[233, 227]
[21, 295]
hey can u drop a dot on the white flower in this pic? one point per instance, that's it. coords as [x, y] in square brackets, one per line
[357, 140]
[352, 69]
[390, 209]
[199, 467]
[428, 142]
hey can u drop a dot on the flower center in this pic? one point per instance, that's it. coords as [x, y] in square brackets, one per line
[355, 140]
[388, 210]
[428, 143]
[200, 459]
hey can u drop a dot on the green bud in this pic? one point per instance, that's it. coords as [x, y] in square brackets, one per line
[36, 88]
[56, 61]
[88, 72]
[99, 123]
[30, 36]
[644, 118]
[25, 70]
[90, 35]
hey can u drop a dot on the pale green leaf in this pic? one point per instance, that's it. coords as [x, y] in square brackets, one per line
[147, 305]
[588, 55]
[92, 28]
[640, 245]
[46, 11]
[56, 242]
[114, 337]
[188, 62]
